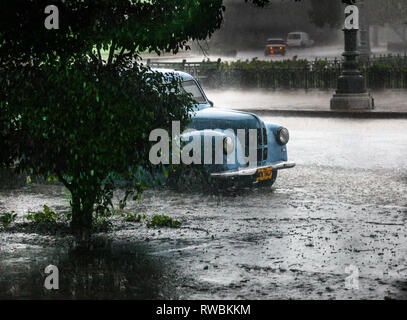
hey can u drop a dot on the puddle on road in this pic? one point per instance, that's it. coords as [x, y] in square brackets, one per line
[111, 270]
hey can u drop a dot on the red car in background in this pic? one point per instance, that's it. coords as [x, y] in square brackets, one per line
[275, 46]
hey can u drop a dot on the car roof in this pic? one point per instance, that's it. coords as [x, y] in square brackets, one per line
[183, 75]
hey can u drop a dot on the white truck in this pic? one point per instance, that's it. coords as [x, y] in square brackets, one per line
[299, 40]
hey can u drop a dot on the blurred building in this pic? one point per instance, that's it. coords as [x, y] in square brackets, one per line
[247, 27]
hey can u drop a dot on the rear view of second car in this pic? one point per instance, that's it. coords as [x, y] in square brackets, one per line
[275, 46]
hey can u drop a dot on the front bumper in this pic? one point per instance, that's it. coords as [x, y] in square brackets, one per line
[275, 52]
[247, 172]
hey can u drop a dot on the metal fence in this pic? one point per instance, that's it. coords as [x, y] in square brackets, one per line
[380, 72]
[200, 70]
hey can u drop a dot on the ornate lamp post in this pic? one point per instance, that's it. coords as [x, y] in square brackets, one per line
[351, 93]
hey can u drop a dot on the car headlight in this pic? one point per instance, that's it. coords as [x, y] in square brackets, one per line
[283, 136]
[228, 145]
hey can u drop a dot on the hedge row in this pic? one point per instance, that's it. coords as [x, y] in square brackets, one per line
[299, 74]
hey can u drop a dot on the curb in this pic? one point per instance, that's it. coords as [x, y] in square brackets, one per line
[329, 113]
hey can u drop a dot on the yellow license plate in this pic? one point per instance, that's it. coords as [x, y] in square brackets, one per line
[264, 174]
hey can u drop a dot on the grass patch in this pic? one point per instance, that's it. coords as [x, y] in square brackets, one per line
[163, 221]
[134, 217]
[7, 218]
[44, 216]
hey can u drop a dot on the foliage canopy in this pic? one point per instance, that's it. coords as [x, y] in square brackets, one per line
[66, 111]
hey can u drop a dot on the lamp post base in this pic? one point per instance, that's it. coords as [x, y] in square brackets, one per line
[352, 101]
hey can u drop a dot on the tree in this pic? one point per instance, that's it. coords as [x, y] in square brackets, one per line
[68, 111]
[325, 13]
[82, 122]
[321, 13]
[87, 27]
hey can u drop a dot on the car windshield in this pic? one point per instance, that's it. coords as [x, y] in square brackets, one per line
[294, 36]
[191, 87]
[276, 41]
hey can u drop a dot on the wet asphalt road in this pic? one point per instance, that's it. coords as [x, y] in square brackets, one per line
[340, 215]
[345, 204]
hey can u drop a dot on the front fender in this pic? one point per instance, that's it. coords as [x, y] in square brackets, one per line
[276, 152]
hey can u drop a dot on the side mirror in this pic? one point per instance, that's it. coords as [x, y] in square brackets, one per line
[211, 103]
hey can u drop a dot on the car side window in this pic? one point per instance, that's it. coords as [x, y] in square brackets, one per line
[191, 87]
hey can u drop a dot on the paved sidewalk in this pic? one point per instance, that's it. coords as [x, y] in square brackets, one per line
[390, 104]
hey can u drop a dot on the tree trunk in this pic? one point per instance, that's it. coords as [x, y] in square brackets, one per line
[81, 225]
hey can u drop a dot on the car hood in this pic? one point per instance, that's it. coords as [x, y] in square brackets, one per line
[216, 118]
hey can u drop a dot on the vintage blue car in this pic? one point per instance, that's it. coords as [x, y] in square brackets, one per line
[236, 130]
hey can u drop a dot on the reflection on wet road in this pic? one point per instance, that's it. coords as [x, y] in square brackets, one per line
[343, 205]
